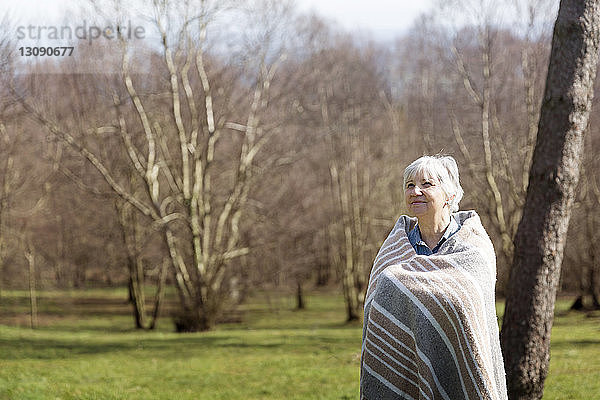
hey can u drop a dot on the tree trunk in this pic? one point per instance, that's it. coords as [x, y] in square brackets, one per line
[592, 281]
[577, 304]
[129, 225]
[590, 288]
[299, 296]
[539, 241]
[159, 296]
[347, 264]
[136, 292]
[323, 274]
[4, 201]
[32, 290]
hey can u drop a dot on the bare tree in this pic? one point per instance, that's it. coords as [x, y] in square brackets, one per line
[134, 238]
[30, 256]
[540, 238]
[579, 272]
[192, 142]
[20, 202]
[581, 266]
[350, 104]
[23, 193]
[487, 58]
[6, 182]
[7, 145]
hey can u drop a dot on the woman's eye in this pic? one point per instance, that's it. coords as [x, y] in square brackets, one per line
[410, 185]
[427, 184]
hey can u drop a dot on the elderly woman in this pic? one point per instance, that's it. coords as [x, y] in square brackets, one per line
[430, 328]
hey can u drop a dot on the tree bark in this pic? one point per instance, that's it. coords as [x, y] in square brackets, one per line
[32, 289]
[299, 296]
[589, 287]
[5, 189]
[129, 227]
[540, 238]
[349, 187]
[160, 294]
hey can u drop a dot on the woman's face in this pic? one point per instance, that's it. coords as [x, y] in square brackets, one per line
[424, 196]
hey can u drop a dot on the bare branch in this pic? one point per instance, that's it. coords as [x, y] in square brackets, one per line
[467, 81]
[86, 153]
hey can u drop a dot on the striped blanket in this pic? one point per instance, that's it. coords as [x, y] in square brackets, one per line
[430, 329]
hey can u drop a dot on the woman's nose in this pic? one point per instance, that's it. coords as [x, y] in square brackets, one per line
[417, 190]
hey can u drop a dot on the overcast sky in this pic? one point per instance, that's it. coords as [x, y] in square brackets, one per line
[384, 18]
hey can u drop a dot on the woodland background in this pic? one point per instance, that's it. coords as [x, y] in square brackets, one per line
[214, 159]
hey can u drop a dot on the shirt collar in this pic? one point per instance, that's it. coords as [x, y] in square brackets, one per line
[415, 234]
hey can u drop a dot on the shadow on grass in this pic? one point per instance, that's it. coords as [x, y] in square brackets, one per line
[260, 326]
[40, 349]
[44, 349]
[73, 306]
[582, 344]
[172, 346]
[72, 327]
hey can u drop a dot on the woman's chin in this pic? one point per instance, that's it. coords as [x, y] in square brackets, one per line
[418, 210]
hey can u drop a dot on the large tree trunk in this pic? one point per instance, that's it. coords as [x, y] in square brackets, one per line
[539, 241]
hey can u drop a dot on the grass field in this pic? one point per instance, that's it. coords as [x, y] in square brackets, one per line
[86, 348]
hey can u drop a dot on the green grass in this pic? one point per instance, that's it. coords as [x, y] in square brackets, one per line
[274, 353]
[574, 356]
[85, 352]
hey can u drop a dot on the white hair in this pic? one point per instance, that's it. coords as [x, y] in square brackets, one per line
[445, 170]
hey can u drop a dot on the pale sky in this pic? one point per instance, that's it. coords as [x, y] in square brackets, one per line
[384, 18]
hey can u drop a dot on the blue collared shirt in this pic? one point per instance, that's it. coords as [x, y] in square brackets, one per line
[414, 237]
